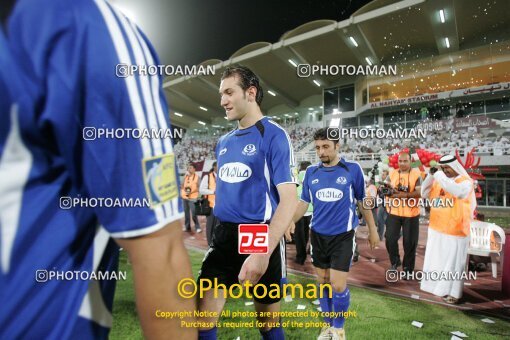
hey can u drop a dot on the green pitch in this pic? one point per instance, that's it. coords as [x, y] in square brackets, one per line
[378, 316]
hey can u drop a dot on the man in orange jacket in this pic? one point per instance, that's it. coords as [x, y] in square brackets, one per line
[450, 190]
[189, 195]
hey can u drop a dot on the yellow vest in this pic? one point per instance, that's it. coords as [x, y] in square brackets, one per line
[446, 219]
[192, 183]
[407, 180]
[212, 186]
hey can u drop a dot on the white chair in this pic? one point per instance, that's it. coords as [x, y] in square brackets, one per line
[480, 242]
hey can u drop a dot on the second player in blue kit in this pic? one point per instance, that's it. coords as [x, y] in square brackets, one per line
[335, 187]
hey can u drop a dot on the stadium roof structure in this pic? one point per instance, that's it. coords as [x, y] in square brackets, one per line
[383, 32]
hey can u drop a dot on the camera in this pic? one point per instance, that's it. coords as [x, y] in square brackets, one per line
[187, 190]
[402, 188]
[385, 190]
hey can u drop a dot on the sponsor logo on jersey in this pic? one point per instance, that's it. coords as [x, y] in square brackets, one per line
[249, 150]
[329, 195]
[315, 181]
[234, 172]
[341, 180]
[223, 151]
[160, 179]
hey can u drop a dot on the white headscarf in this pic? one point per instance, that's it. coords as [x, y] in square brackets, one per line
[453, 163]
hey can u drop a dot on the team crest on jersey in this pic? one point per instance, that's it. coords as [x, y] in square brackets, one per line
[341, 180]
[329, 195]
[160, 179]
[249, 150]
[315, 181]
[234, 172]
[223, 151]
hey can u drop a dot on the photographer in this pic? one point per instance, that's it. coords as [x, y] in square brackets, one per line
[448, 234]
[403, 184]
[189, 195]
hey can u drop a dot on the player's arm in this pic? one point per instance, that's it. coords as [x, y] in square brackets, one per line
[359, 194]
[301, 209]
[160, 261]
[373, 237]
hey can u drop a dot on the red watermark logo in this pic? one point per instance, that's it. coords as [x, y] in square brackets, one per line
[253, 239]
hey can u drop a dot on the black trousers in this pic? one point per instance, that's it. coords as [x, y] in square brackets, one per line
[410, 227]
[301, 237]
[211, 222]
[190, 205]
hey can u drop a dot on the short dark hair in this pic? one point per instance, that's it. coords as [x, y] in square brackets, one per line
[247, 79]
[193, 165]
[212, 166]
[322, 134]
[303, 165]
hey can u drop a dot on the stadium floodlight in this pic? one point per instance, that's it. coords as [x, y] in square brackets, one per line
[178, 114]
[292, 62]
[201, 122]
[441, 15]
[317, 83]
[447, 42]
[271, 93]
[369, 62]
[202, 108]
[354, 42]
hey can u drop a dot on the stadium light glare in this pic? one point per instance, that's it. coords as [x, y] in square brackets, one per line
[178, 114]
[441, 15]
[292, 62]
[317, 83]
[201, 122]
[335, 122]
[369, 62]
[447, 42]
[271, 93]
[202, 108]
[354, 42]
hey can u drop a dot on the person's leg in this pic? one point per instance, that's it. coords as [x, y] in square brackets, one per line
[194, 216]
[210, 303]
[380, 222]
[209, 228]
[325, 298]
[299, 236]
[186, 205]
[392, 235]
[341, 297]
[411, 231]
[268, 330]
[307, 220]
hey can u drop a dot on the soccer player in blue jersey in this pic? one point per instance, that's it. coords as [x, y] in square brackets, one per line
[334, 186]
[59, 72]
[254, 185]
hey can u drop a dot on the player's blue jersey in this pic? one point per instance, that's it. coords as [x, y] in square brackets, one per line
[65, 55]
[334, 191]
[252, 162]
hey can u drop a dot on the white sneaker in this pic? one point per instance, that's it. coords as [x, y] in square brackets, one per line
[325, 333]
[199, 230]
[337, 333]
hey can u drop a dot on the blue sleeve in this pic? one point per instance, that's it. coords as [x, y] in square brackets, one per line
[359, 182]
[281, 158]
[305, 194]
[74, 52]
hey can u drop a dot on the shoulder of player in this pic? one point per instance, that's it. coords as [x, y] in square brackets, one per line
[274, 129]
[351, 164]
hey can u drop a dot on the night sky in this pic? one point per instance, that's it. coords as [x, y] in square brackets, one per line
[192, 31]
